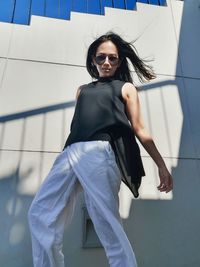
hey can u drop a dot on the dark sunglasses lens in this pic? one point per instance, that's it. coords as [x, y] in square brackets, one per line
[113, 60]
[101, 59]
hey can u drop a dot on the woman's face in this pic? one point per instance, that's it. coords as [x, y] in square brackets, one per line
[107, 59]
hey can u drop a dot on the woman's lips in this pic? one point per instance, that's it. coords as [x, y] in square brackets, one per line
[106, 69]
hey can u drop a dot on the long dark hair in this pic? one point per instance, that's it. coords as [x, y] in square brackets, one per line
[125, 50]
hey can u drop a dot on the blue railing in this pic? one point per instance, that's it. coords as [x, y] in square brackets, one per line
[19, 11]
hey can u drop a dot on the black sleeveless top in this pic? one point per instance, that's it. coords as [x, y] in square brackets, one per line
[100, 115]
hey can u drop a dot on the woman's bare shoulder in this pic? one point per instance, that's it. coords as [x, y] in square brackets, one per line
[78, 92]
[128, 90]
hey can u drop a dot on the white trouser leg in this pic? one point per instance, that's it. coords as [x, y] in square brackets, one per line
[100, 179]
[50, 211]
[94, 165]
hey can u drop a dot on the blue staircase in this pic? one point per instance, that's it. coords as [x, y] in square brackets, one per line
[20, 11]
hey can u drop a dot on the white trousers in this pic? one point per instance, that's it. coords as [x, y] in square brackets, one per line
[91, 167]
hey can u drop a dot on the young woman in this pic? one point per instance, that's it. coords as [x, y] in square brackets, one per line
[100, 152]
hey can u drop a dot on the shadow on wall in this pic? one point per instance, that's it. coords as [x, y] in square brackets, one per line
[165, 232]
[14, 205]
[15, 238]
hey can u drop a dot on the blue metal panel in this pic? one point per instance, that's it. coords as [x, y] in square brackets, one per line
[6, 10]
[65, 8]
[143, 1]
[119, 4]
[51, 8]
[108, 3]
[154, 2]
[163, 2]
[79, 6]
[130, 4]
[105, 3]
[45, 8]
[94, 7]
[22, 11]
[38, 7]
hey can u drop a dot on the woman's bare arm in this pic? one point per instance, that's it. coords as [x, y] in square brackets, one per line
[133, 110]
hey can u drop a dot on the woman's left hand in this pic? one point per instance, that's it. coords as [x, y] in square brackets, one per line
[166, 180]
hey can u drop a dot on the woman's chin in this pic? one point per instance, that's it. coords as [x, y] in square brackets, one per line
[106, 73]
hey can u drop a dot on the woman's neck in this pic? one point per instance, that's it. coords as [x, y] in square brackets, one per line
[106, 78]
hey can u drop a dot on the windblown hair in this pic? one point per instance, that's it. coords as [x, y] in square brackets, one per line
[126, 50]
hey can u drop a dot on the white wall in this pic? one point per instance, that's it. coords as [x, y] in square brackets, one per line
[41, 66]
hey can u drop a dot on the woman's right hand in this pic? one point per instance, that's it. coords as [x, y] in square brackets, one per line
[166, 180]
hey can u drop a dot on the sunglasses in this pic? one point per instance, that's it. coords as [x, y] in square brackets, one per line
[100, 59]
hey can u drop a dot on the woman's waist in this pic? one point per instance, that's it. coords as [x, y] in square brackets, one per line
[93, 149]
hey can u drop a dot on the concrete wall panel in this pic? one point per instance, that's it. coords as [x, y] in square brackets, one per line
[38, 85]
[2, 69]
[32, 95]
[166, 116]
[5, 36]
